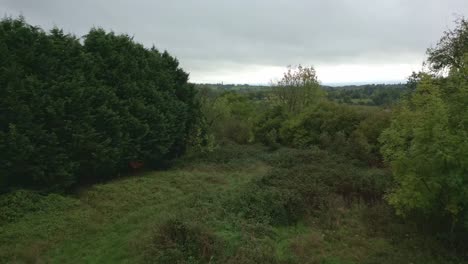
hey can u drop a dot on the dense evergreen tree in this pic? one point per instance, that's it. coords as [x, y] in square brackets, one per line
[73, 111]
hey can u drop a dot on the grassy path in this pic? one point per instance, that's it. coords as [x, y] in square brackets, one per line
[106, 223]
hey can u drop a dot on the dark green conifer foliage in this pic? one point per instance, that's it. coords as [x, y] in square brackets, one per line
[76, 110]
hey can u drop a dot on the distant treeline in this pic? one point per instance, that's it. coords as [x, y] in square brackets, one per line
[234, 87]
[367, 94]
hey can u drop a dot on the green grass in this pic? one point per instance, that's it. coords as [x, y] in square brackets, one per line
[116, 222]
[108, 220]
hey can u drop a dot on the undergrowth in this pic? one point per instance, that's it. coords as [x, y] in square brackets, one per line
[238, 204]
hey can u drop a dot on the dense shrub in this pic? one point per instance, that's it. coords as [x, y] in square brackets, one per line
[301, 183]
[364, 141]
[77, 110]
[229, 116]
[351, 131]
[266, 204]
[268, 126]
[176, 241]
[228, 156]
[305, 129]
[20, 203]
[254, 251]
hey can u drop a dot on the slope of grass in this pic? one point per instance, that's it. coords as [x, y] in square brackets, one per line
[186, 215]
[105, 222]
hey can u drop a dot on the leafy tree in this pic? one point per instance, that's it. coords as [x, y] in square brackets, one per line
[298, 88]
[426, 142]
[427, 148]
[413, 81]
[450, 50]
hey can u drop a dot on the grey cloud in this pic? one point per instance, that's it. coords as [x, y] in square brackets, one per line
[206, 34]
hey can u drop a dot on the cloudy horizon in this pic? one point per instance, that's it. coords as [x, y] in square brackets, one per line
[253, 41]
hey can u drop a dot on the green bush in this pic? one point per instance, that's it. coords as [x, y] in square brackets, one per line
[228, 154]
[316, 173]
[265, 204]
[304, 130]
[254, 251]
[268, 125]
[20, 203]
[176, 241]
[229, 117]
[300, 183]
[350, 131]
[364, 142]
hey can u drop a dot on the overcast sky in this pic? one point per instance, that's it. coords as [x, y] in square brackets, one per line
[252, 41]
